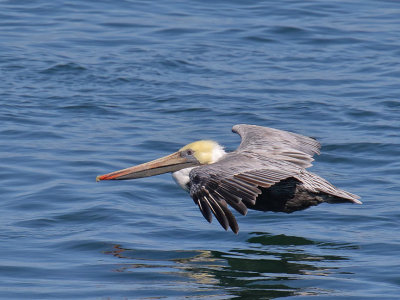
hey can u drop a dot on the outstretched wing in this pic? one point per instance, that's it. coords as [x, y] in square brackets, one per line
[278, 144]
[264, 157]
[235, 180]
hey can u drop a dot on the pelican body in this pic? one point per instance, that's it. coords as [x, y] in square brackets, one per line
[267, 172]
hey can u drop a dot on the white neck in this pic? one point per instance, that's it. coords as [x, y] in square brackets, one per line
[218, 153]
[182, 178]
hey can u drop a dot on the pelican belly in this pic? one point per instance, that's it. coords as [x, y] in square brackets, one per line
[182, 178]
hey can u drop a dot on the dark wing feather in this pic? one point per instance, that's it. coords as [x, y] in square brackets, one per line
[278, 144]
[235, 180]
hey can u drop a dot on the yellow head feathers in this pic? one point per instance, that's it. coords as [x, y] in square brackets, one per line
[205, 151]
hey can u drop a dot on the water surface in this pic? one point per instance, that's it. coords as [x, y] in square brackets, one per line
[91, 87]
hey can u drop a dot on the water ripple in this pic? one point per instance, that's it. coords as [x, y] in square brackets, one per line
[92, 87]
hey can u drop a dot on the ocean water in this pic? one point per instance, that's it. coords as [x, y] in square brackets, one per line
[89, 87]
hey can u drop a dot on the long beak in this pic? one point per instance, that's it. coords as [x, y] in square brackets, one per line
[170, 163]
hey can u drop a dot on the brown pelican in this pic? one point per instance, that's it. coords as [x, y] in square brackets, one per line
[266, 172]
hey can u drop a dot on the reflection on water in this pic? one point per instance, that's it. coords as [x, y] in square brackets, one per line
[272, 266]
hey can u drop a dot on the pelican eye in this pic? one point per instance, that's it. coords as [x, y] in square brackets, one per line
[189, 152]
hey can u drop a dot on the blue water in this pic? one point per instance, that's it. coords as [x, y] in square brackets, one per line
[89, 87]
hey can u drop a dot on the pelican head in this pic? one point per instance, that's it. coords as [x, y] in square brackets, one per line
[179, 163]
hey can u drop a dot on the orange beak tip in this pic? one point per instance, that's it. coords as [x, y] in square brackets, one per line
[98, 178]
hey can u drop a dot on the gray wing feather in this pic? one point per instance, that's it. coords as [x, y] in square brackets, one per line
[274, 143]
[317, 184]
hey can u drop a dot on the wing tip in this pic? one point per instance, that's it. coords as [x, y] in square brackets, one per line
[235, 128]
[356, 201]
[354, 198]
